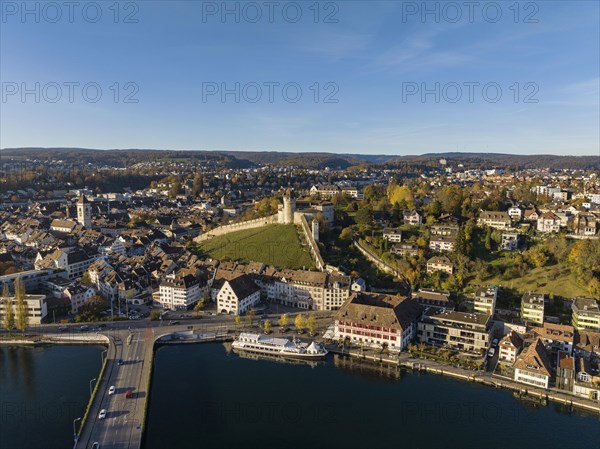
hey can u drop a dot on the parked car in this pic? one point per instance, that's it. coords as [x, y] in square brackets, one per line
[495, 342]
[102, 414]
[111, 390]
[84, 327]
[173, 323]
[491, 352]
[63, 329]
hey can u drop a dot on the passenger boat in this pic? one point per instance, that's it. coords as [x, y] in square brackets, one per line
[284, 347]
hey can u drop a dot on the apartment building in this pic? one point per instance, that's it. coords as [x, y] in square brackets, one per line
[466, 332]
[181, 291]
[485, 300]
[532, 308]
[493, 219]
[440, 263]
[441, 243]
[586, 314]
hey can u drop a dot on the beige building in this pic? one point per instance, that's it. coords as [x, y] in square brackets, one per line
[37, 308]
[493, 219]
[465, 332]
[485, 300]
[586, 314]
[532, 308]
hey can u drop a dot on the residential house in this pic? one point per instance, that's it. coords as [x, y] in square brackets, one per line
[556, 337]
[412, 217]
[441, 243]
[515, 213]
[587, 380]
[440, 263]
[587, 345]
[392, 235]
[433, 298]
[533, 366]
[509, 347]
[565, 371]
[510, 241]
[405, 250]
[493, 219]
[548, 222]
[378, 320]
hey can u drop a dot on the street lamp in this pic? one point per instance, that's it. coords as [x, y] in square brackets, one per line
[75, 431]
[93, 380]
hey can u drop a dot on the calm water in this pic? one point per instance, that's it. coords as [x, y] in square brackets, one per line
[42, 390]
[202, 396]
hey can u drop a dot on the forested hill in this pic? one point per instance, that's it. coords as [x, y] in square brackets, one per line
[238, 159]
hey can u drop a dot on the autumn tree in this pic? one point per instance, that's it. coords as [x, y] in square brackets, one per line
[300, 322]
[283, 321]
[346, 234]
[267, 326]
[9, 313]
[311, 324]
[22, 316]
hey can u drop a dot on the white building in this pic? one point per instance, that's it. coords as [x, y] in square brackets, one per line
[509, 347]
[533, 366]
[238, 295]
[180, 292]
[392, 234]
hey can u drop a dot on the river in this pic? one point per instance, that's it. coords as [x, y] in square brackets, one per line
[42, 390]
[205, 396]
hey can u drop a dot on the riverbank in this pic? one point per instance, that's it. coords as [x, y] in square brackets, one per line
[408, 362]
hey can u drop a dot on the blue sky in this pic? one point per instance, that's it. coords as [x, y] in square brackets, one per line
[375, 59]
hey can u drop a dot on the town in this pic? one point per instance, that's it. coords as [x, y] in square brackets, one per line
[476, 265]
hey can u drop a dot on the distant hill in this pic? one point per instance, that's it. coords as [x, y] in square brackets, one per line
[237, 159]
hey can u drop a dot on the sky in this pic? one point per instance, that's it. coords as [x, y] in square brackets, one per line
[344, 76]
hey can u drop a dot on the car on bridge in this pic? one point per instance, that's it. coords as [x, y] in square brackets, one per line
[102, 414]
[111, 390]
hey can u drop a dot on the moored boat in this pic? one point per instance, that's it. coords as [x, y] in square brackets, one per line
[284, 347]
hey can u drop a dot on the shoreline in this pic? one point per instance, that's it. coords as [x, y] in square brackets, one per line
[411, 364]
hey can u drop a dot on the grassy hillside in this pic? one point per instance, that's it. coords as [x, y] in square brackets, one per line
[543, 280]
[277, 245]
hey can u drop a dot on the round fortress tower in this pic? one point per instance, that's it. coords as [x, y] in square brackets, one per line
[289, 206]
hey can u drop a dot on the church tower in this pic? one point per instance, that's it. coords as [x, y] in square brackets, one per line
[84, 212]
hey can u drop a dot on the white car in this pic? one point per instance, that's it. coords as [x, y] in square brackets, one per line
[491, 352]
[102, 414]
[111, 390]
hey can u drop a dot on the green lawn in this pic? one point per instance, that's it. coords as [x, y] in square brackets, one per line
[277, 245]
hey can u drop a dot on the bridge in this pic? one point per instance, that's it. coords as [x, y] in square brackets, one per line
[133, 343]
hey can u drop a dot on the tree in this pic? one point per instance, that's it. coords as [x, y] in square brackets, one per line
[155, 315]
[22, 318]
[9, 314]
[300, 323]
[250, 314]
[85, 279]
[197, 185]
[364, 216]
[267, 326]
[283, 321]
[200, 305]
[311, 323]
[238, 320]
[346, 234]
